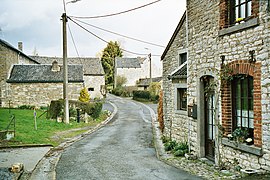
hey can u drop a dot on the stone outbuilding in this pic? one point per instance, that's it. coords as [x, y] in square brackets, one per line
[38, 84]
[226, 87]
[93, 73]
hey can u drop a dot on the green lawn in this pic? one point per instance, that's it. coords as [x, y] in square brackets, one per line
[46, 129]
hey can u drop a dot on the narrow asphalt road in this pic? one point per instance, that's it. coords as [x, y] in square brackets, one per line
[123, 149]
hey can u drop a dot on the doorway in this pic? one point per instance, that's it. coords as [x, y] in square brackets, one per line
[209, 117]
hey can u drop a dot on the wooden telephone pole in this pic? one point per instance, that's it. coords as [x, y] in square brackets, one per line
[65, 70]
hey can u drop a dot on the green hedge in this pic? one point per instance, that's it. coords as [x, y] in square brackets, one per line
[141, 94]
[91, 108]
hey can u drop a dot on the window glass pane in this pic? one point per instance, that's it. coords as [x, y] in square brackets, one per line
[210, 136]
[236, 2]
[242, 11]
[237, 13]
[244, 118]
[241, 1]
[238, 121]
[251, 119]
[249, 9]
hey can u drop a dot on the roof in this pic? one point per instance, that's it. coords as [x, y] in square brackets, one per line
[91, 66]
[128, 62]
[41, 73]
[146, 81]
[9, 46]
[180, 24]
[180, 72]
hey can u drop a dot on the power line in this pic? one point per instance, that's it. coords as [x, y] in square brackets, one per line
[64, 4]
[131, 52]
[114, 14]
[135, 39]
[73, 41]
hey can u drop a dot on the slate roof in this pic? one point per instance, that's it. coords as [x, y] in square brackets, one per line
[91, 66]
[146, 81]
[181, 72]
[41, 73]
[9, 46]
[128, 62]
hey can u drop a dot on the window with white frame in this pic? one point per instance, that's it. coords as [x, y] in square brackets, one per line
[240, 10]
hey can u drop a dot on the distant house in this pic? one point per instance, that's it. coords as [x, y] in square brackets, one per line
[132, 68]
[144, 83]
[93, 73]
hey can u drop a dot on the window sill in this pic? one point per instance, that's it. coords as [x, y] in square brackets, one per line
[182, 112]
[243, 147]
[248, 24]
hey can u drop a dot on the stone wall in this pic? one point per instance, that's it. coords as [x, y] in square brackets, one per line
[177, 123]
[39, 94]
[94, 82]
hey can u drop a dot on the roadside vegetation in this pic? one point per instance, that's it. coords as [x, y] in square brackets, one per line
[45, 131]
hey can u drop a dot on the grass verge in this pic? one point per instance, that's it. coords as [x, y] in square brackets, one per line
[47, 130]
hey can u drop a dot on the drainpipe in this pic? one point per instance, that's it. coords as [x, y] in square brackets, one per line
[189, 123]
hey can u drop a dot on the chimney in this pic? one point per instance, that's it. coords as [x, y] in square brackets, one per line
[20, 46]
[55, 66]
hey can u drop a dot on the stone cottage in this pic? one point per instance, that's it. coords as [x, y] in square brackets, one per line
[35, 80]
[216, 81]
[38, 84]
[93, 73]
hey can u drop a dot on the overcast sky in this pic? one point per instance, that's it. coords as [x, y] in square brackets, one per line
[37, 24]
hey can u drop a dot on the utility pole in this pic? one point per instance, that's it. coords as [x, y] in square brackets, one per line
[65, 70]
[150, 68]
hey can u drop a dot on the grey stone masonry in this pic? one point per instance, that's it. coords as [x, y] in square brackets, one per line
[208, 44]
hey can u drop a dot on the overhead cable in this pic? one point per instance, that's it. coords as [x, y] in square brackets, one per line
[73, 41]
[114, 14]
[135, 39]
[131, 52]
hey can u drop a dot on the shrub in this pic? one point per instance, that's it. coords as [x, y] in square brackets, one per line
[120, 81]
[170, 145]
[141, 94]
[178, 149]
[117, 91]
[91, 108]
[26, 107]
[84, 95]
[55, 109]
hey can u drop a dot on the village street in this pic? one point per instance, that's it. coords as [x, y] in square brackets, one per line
[123, 149]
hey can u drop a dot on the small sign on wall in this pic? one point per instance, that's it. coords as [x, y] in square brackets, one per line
[192, 111]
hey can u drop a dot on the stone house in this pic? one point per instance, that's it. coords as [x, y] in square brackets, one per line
[38, 84]
[27, 80]
[224, 84]
[93, 73]
[9, 56]
[131, 68]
